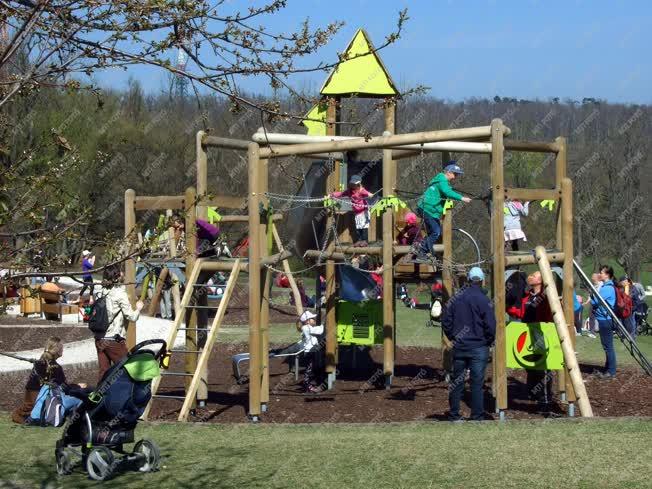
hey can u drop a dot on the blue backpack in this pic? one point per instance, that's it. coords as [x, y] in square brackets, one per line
[48, 409]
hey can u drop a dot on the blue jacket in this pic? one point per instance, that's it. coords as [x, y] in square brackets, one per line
[469, 320]
[608, 293]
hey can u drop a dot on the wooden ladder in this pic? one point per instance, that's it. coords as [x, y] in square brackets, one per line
[205, 352]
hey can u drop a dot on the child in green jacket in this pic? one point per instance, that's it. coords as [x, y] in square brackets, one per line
[431, 205]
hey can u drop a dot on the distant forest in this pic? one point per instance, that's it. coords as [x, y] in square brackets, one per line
[130, 139]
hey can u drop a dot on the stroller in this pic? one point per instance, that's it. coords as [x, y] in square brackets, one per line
[640, 315]
[107, 417]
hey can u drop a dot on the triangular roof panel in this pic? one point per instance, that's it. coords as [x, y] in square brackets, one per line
[360, 75]
[319, 112]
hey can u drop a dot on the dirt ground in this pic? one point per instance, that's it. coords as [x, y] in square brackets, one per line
[418, 392]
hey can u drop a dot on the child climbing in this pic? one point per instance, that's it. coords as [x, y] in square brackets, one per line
[411, 232]
[358, 195]
[431, 204]
[513, 210]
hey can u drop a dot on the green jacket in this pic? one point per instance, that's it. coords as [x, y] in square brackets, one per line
[432, 201]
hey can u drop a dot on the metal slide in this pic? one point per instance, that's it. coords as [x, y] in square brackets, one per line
[621, 332]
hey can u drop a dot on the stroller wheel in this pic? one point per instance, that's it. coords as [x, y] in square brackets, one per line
[64, 461]
[151, 455]
[100, 463]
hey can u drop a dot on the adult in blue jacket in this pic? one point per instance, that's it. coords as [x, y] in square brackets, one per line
[470, 324]
[605, 323]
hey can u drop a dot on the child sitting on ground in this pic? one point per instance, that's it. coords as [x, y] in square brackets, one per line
[46, 370]
[358, 195]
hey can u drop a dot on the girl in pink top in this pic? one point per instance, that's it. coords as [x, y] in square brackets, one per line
[358, 195]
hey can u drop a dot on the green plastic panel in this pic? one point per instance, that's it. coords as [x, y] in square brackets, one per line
[533, 346]
[360, 323]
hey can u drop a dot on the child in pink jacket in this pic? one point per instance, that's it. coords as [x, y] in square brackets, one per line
[358, 195]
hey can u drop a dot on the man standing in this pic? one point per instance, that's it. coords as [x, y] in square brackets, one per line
[469, 322]
[431, 204]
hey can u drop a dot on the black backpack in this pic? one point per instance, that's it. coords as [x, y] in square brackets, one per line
[98, 320]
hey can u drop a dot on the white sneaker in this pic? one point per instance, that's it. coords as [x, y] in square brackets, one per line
[591, 335]
[578, 334]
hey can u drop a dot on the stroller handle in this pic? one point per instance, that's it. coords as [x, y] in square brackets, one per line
[142, 344]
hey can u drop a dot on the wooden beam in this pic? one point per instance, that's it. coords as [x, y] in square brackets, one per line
[570, 360]
[447, 274]
[219, 142]
[255, 362]
[226, 202]
[288, 273]
[238, 218]
[224, 266]
[130, 265]
[377, 142]
[498, 253]
[532, 194]
[153, 305]
[553, 257]
[531, 146]
[159, 202]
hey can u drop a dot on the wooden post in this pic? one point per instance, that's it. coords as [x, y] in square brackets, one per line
[559, 319]
[569, 283]
[388, 274]
[332, 183]
[288, 273]
[202, 175]
[255, 367]
[563, 382]
[264, 230]
[390, 127]
[176, 293]
[447, 272]
[498, 253]
[190, 359]
[153, 305]
[130, 265]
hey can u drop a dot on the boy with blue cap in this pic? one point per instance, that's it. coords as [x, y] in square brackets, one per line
[431, 204]
[470, 324]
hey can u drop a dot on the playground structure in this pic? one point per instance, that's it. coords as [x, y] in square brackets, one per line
[489, 140]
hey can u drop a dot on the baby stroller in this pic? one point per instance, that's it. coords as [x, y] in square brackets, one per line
[436, 303]
[106, 419]
[640, 316]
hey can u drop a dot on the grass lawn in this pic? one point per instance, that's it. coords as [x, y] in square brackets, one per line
[591, 454]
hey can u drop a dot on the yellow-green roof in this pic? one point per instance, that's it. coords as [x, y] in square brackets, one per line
[316, 128]
[365, 76]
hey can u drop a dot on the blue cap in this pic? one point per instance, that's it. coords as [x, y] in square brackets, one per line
[355, 179]
[453, 167]
[476, 274]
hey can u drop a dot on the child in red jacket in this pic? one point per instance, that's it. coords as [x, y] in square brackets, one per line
[358, 195]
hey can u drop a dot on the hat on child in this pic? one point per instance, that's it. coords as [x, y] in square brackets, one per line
[411, 218]
[476, 274]
[86, 253]
[355, 179]
[307, 316]
[453, 167]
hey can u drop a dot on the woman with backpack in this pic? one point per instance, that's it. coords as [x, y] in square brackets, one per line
[112, 309]
[46, 371]
[605, 323]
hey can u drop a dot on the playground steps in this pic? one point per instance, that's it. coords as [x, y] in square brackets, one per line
[621, 331]
[187, 303]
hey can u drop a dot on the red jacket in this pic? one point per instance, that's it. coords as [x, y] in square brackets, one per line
[534, 308]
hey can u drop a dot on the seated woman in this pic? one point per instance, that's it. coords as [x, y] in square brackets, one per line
[46, 370]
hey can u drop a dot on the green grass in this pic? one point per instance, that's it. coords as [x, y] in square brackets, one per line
[595, 454]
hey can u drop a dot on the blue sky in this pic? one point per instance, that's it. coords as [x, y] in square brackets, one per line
[461, 49]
